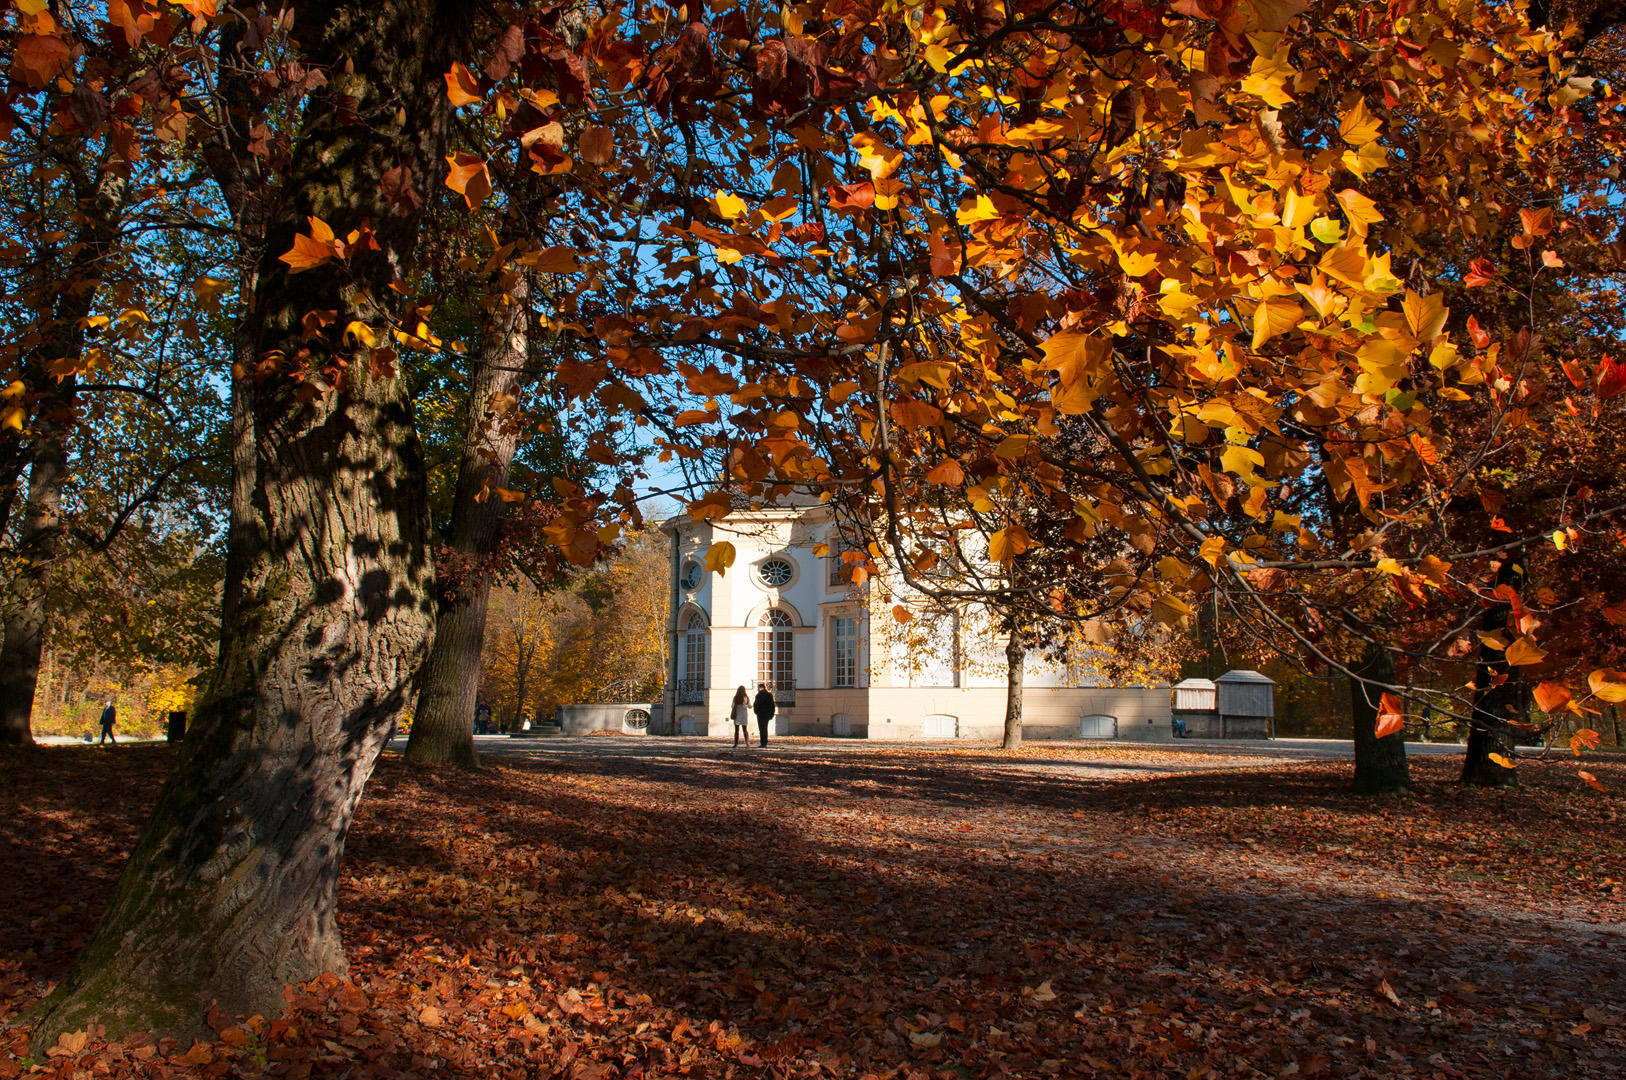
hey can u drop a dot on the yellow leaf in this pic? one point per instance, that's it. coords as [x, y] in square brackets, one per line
[362, 333]
[468, 177]
[1170, 610]
[1605, 687]
[1561, 539]
[12, 418]
[979, 209]
[719, 557]
[1211, 549]
[728, 204]
[1254, 504]
[1425, 314]
[208, 291]
[1012, 447]
[1274, 317]
[1524, 652]
[1241, 460]
[1347, 264]
[880, 159]
[1360, 210]
[1137, 263]
[1173, 570]
[1006, 544]
[461, 88]
[1502, 761]
[1358, 126]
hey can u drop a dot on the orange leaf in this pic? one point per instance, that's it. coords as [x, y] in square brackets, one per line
[1525, 652]
[312, 250]
[596, 145]
[1592, 781]
[1551, 696]
[1537, 222]
[468, 177]
[1500, 760]
[38, 59]
[1390, 720]
[901, 613]
[461, 88]
[946, 472]
[1585, 739]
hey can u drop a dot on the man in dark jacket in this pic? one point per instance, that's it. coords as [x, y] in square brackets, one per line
[763, 707]
[109, 716]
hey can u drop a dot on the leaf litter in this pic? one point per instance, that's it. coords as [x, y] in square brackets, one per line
[889, 912]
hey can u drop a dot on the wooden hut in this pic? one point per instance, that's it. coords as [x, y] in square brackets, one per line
[1247, 704]
[1196, 709]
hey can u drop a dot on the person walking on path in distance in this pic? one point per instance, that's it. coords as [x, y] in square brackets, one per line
[763, 706]
[109, 716]
[739, 711]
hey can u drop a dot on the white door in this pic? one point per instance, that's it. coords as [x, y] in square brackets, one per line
[938, 726]
[1098, 727]
[841, 724]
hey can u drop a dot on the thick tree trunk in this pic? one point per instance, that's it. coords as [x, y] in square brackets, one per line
[1015, 660]
[1380, 764]
[1495, 701]
[443, 722]
[229, 894]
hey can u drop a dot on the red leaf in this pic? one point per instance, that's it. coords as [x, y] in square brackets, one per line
[1480, 272]
[1481, 338]
[859, 196]
[1611, 377]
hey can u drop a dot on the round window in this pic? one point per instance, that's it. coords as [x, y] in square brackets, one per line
[692, 573]
[775, 572]
[637, 719]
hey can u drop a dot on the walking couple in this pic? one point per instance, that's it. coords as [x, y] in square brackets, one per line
[742, 708]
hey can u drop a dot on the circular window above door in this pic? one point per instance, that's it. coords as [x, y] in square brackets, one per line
[693, 574]
[775, 572]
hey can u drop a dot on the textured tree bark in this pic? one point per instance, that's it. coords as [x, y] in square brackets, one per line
[443, 721]
[230, 892]
[101, 199]
[1495, 701]
[1015, 659]
[1380, 764]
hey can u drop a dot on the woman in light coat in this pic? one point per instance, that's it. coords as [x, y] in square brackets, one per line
[740, 713]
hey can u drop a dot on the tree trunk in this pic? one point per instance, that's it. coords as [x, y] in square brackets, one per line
[1495, 701]
[1380, 764]
[230, 892]
[443, 722]
[101, 198]
[1015, 660]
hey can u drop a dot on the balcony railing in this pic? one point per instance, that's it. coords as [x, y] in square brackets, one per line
[784, 693]
[691, 692]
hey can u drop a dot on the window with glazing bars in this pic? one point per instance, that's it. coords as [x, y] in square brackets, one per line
[775, 644]
[845, 653]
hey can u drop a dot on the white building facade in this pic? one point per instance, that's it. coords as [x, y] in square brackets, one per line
[787, 616]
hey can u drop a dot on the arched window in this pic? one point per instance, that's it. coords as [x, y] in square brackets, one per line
[694, 653]
[776, 668]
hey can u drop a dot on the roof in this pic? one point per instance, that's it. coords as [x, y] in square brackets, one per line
[1194, 684]
[1244, 675]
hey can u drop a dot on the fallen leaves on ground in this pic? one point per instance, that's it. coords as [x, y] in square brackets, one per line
[887, 912]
